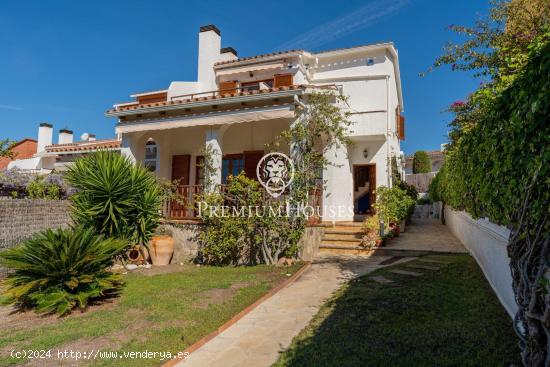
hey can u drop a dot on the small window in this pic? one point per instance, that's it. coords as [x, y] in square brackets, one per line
[151, 152]
[370, 61]
[232, 165]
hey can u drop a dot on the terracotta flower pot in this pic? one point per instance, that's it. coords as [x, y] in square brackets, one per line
[161, 250]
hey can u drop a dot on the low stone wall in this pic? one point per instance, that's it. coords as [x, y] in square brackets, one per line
[310, 241]
[427, 211]
[487, 242]
[20, 219]
[186, 244]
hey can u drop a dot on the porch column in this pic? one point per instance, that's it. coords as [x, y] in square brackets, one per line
[128, 148]
[214, 139]
[338, 193]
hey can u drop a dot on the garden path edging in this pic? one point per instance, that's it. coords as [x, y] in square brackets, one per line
[237, 317]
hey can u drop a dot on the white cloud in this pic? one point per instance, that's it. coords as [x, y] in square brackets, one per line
[352, 22]
[9, 107]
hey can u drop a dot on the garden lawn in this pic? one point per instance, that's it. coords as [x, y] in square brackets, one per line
[164, 312]
[446, 317]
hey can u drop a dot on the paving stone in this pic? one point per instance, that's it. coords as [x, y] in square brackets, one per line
[381, 279]
[405, 272]
[425, 267]
[434, 261]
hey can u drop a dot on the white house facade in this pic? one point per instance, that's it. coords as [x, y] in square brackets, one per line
[239, 105]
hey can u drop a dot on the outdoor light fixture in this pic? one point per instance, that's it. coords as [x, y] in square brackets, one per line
[365, 153]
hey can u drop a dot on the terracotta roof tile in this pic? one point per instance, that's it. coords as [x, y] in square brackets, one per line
[256, 57]
[84, 145]
[207, 98]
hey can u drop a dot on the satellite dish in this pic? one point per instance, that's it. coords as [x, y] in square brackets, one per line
[85, 137]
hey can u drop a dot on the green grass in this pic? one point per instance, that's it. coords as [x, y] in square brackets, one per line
[167, 312]
[446, 317]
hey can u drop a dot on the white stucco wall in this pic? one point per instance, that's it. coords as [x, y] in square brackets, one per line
[487, 242]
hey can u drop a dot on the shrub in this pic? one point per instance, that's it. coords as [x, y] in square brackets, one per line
[421, 162]
[41, 188]
[393, 205]
[58, 270]
[237, 229]
[114, 196]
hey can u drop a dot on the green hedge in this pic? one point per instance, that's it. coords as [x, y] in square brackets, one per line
[498, 149]
[421, 162]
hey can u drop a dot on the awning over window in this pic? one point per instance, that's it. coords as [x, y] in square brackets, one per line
[285, 111]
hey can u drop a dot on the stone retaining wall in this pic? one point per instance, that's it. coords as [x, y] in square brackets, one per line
[21, 218]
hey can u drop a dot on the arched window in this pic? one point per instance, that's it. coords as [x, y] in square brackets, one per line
[151, 153]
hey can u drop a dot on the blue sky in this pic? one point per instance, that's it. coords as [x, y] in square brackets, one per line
[66, 62]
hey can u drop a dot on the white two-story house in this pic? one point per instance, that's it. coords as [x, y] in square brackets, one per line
[239, 105]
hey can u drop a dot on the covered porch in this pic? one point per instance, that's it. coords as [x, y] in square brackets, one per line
[177, 153]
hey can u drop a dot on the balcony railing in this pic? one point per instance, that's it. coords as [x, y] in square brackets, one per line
[185, 206]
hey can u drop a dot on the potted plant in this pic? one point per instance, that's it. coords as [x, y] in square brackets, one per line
[371, 229]
[161, 246]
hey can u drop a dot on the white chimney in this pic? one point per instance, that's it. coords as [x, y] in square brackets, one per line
[91, 137]
[209, 53]
[65, 136]
[228, 54]
[45, 136]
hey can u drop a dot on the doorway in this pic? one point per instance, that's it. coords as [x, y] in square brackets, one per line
[364, 186]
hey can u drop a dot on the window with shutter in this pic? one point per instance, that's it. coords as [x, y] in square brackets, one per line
[251, 159]
[228, 87]
[401, 133]
[283, 80]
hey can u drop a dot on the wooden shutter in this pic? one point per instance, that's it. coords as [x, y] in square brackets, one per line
[251, 159]
[283, 80]
[228, 87]
[180, 168]
[401, 128]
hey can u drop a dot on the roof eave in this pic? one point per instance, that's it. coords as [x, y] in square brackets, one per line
[224, 101]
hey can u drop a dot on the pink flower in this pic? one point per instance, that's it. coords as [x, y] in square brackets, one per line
[458, 104]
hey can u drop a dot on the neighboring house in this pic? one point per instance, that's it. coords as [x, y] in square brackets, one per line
[21, 150]
[437, 157]
[238, 105]
[49, 157]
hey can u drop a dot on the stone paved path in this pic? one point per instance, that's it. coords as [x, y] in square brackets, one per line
[427, 235]
[256, 339]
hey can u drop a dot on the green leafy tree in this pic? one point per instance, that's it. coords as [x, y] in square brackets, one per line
[58, 270]
[6, 146]
[421, 162]
[115, 197]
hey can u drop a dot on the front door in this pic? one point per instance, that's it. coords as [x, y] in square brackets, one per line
[364, 186]
[180, 168]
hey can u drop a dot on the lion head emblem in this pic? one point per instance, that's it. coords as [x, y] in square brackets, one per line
[275, 172]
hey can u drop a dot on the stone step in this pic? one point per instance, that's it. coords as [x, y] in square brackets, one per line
[341, 242]
[344, 230]
[342, 224]
[342, 236]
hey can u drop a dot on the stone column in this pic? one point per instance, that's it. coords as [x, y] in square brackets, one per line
[127, 147]
[214, 139]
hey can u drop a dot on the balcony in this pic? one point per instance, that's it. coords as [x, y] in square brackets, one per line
[232, 95]
[185, 206]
